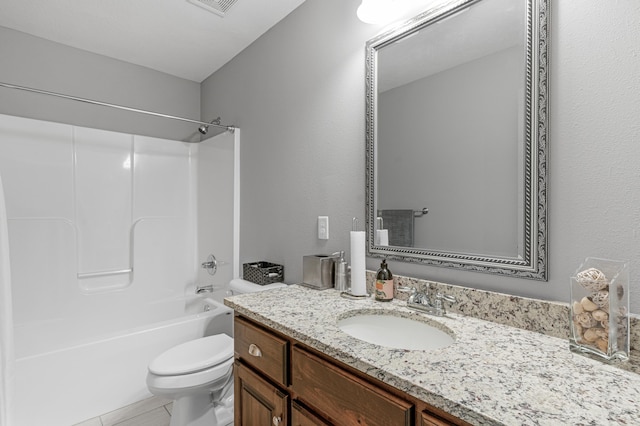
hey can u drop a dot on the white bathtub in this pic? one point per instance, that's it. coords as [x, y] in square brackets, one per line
[62, 379]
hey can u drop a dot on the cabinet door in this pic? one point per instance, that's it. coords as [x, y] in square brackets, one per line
[257, 402]
[430, 420]
[342, 397]
[300, 416]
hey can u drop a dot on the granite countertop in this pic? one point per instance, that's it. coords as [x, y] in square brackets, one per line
[491, 375]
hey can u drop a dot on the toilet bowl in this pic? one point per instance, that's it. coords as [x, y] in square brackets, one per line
[198, 375]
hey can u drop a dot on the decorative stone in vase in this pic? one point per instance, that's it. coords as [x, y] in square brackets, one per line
[599, 309]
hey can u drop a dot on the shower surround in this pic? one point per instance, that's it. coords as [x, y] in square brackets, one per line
[106, 234]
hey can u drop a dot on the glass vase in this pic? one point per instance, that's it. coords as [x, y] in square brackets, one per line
[599, 309]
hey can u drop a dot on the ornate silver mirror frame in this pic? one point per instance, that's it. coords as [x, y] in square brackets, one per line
[531, 260]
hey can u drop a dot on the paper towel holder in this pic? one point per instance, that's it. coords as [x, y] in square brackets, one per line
[348, 295]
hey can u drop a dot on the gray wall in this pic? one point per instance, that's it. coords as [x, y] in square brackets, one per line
[34, 62]
[298, 95]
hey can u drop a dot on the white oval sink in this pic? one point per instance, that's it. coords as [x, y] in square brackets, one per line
[395, 332]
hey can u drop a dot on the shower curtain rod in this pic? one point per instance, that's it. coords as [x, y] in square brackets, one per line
[91, 101]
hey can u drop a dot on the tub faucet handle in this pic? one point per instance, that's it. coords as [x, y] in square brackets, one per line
[211, 265]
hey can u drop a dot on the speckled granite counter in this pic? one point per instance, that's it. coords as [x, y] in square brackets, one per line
[491, 375]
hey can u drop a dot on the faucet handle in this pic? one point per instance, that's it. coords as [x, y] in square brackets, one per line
[413, 292]
[446, 297]
[430, 288]
[439, 305]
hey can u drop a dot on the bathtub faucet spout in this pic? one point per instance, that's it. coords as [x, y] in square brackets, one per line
[204, 289]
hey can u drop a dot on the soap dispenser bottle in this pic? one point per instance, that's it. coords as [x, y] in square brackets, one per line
[384, 283]
[341, 272]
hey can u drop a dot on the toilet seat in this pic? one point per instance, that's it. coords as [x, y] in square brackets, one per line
[207, 361]
[193, 356]
[213, 377]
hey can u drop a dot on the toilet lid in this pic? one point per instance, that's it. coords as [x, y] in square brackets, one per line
[193, 356]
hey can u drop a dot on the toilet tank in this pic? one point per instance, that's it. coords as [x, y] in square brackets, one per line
[240, 286]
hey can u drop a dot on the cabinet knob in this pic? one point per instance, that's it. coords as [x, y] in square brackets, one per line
[277, 421]
[254, 350]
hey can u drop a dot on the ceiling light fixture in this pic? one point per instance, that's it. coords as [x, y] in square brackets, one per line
[377, 11]
[387, 11]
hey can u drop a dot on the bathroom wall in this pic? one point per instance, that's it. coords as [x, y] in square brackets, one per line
[216, 217]
[42, 64]
[39, 63]
[7, 354]
[298, 94]
[100, 223]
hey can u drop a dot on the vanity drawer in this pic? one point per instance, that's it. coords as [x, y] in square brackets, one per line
[300, 416]
[342, 397]
[262, 350]
[429, 419]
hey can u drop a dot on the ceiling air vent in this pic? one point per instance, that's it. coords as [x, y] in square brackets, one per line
[219, 7]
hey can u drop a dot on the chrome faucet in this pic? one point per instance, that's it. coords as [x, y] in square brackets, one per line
[422, 301]
[204, 289]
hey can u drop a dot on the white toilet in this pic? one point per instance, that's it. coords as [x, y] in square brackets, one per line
[198, 375]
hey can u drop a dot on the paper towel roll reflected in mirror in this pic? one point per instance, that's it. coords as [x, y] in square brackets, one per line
[382, 237]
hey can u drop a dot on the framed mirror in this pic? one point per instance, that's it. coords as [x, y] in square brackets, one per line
[456, 138]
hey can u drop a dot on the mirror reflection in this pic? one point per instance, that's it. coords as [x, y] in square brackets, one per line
[452, 139]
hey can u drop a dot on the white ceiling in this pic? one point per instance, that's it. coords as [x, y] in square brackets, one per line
[172, 36]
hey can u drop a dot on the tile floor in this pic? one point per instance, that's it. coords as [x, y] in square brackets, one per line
[153, 411]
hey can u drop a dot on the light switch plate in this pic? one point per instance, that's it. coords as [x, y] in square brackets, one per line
[323, 227]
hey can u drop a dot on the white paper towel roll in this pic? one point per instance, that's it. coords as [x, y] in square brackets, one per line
[358, 266]
[382, 237]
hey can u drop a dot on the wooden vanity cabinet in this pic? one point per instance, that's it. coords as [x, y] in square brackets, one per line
[258, 402]
[282, 382]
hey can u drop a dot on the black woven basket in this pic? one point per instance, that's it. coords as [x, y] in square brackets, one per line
[263, 272]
